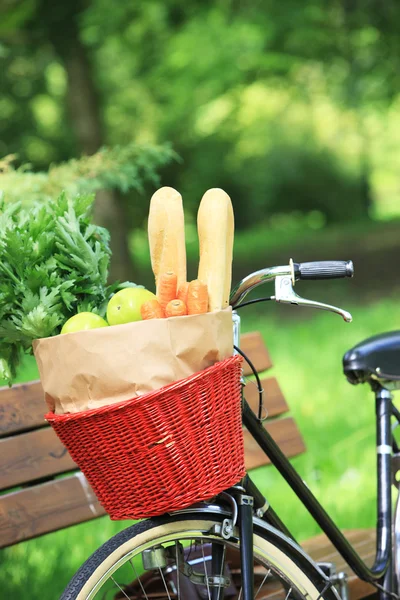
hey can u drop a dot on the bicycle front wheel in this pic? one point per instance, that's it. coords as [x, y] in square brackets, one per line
[183, 556]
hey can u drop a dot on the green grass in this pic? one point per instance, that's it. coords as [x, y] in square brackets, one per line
[336, 420]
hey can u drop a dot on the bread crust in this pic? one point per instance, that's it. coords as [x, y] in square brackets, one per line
[166, 231]
[215, 224]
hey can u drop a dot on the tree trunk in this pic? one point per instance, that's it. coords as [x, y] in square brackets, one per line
[82, 97]
[84, 108]
[354, 99]
[109, 213]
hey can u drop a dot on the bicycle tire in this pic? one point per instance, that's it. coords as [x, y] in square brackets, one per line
[287, 559]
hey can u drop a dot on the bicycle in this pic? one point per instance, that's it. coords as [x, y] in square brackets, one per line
[235, 545]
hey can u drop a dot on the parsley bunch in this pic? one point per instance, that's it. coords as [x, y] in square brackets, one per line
[53, 263]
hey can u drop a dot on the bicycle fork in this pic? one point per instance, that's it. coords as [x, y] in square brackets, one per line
[242, 504]
[245, 514]
[245, 518]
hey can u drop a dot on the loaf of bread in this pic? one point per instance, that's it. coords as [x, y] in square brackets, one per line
[215, 225]
[166, 231]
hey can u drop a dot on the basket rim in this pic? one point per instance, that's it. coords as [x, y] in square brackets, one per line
[51, 417]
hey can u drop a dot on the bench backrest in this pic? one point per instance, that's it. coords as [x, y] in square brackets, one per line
[41, 489]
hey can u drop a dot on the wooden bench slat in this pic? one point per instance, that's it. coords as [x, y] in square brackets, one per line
[47, 507]
[363, 541]
[357, 537]
[31, 456]
[22, 408]
[254, 347]
[285, 433]
[274, 400]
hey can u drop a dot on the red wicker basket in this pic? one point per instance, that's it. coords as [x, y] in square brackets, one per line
[164, 450]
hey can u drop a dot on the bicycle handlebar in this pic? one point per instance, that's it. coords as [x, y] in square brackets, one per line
[285, 278]
[324, 269]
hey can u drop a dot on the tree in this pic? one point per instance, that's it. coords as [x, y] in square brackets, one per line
[60, 26]
[233, 86]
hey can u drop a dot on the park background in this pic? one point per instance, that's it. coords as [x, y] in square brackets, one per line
[292, 108]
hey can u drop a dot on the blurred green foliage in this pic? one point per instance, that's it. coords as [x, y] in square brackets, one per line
[286, 106]
[125, 168]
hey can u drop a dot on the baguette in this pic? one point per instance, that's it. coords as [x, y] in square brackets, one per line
[166, 231]
[215, 224]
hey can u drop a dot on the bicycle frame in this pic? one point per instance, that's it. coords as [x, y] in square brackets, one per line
[381, 571]
[382, 565]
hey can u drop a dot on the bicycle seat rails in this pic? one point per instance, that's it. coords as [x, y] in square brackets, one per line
[375, 360]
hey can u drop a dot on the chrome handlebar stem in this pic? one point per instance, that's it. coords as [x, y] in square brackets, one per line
[255, 279]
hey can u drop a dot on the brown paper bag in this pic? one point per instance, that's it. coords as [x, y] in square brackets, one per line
[89, 369]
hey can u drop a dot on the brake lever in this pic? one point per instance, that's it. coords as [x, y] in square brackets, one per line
[285, 294]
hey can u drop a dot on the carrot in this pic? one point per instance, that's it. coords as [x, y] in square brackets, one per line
[167, 288]
[151, 309]
[197, 297]
[175, 308]
[182, 292]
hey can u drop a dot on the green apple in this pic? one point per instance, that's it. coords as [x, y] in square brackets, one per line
[83, 321]
[124, 306]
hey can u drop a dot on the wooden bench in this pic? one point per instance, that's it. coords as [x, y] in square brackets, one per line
[41, 489]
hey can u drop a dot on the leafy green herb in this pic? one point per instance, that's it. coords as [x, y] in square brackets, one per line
[53, 263]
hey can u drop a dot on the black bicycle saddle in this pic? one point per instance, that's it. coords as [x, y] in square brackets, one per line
[377, 358]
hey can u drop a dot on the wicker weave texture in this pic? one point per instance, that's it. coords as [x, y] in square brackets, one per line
[164, 450]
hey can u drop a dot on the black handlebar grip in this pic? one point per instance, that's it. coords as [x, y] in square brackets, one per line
[324, 269]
